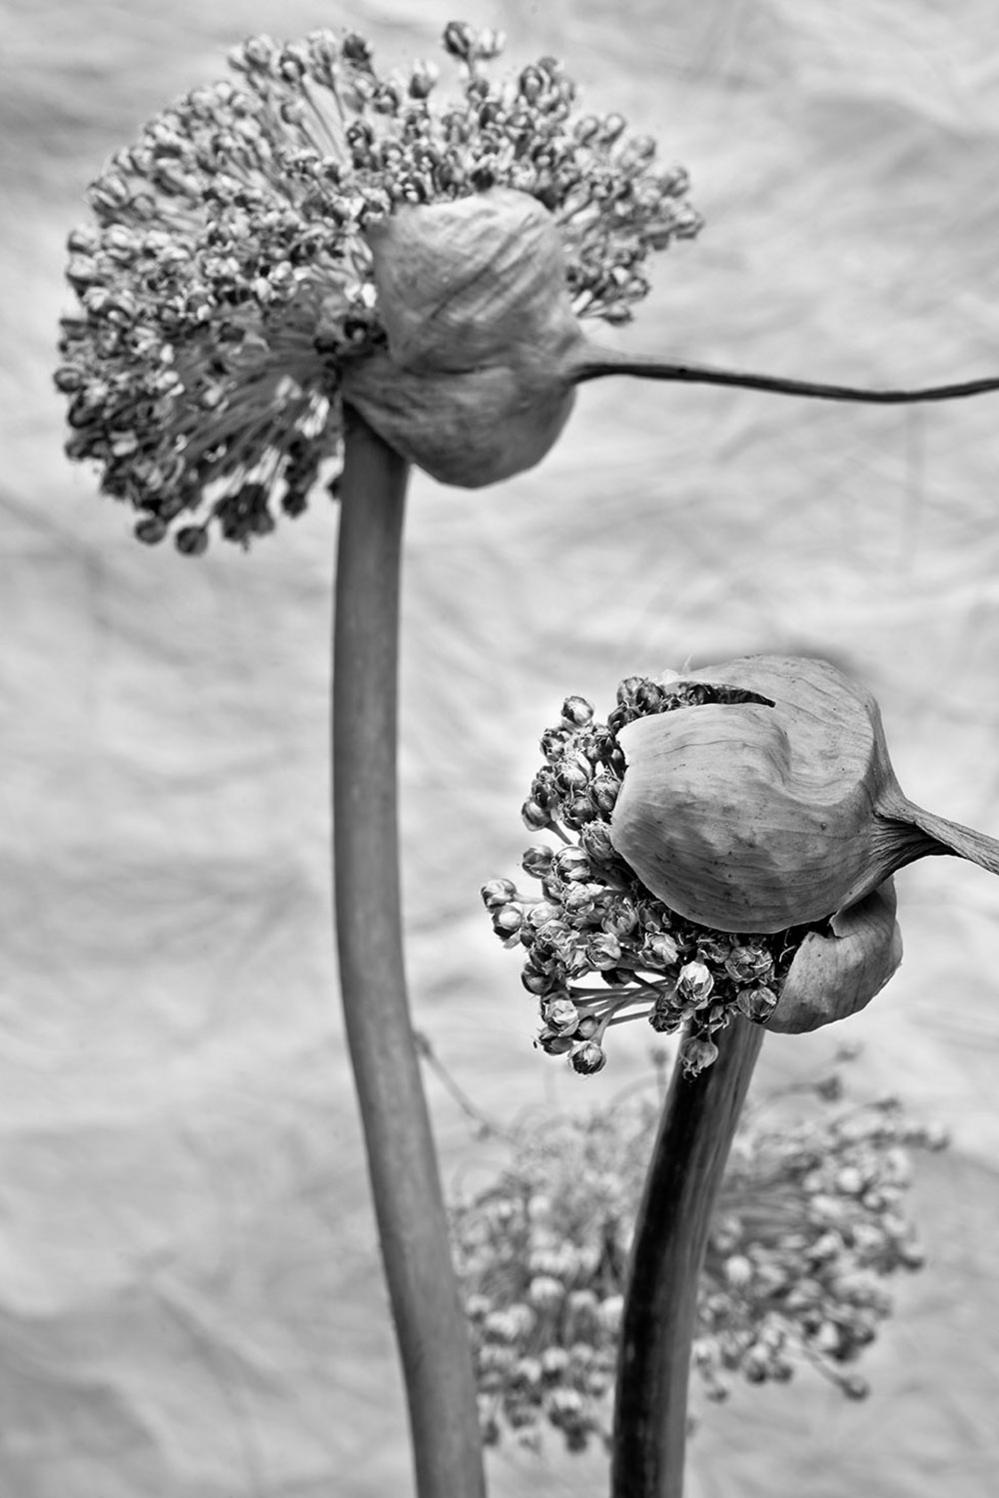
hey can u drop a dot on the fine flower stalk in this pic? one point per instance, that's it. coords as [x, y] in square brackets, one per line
[402, 1162]
[594, 363]
[695, 1134]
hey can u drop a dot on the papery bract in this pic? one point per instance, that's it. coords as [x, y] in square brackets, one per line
[460, 283]
[760, 816]
[838, 972]
[476, 383]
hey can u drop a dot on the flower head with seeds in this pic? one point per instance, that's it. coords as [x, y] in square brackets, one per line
[226, 286]
[808, 1229]
[600, 949]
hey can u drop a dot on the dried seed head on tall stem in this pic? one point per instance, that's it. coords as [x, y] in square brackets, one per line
[230, 284]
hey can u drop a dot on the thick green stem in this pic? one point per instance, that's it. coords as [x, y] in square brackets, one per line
[698, 1124]
[402, 1161]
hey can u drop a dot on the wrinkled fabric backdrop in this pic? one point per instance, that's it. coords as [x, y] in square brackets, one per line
[191, 1303]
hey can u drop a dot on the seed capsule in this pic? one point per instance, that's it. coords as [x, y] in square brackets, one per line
[759, 816]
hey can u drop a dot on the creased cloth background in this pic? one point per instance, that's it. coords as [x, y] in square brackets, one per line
[190, 1295]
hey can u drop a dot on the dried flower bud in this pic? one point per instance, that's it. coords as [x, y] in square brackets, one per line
[476, 384]
[588, 1058]
[756, 1003]
[573, 864]
[574, 773]
[422, 79]
[604, 790]
[621, 919]
[595, 841]
[541, 914]
[498, 892]
[554, 1044]
[507, 921]
[738, 1270]
[553, 742]
[459, 39]
[537, 860]
[748, 964]
[537, 982]
[762, 815]
[534, 815]
[580, 810]
[151, 530]
[546, 1292]
[696, 1053]
[603, 952]
[577, 712]
[562, 1016]
[192, 540]
[695, 983]
[578, 900]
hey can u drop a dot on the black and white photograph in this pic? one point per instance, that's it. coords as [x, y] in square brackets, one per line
[499, 751]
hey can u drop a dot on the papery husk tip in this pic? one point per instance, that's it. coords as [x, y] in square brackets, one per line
[963, 842]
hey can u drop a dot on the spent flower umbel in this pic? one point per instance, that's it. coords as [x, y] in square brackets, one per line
[807, 1231]
[600, 949]
[227, 289]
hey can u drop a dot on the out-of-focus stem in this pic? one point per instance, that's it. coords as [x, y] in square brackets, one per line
[402, 1162]
[698, 1123]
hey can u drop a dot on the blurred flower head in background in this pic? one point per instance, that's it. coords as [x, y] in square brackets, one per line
[808, 1228]
[226, 286]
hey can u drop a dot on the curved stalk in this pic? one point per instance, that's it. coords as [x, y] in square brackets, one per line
[698, 1123]
[595, 363]
[412, 1221]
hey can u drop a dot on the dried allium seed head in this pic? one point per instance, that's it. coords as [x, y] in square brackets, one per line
[598, 922]
[230, 289]
[780, 1290]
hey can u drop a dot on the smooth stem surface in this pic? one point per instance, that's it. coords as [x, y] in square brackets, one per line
[402, 1162]
[595, 363]
[698, 1124]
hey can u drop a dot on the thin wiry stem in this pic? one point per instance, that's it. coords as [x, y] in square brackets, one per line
[595, 363]
[698, 1124]
[409, 1204]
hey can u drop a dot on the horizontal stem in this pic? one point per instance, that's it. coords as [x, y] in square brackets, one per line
[596, 363]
